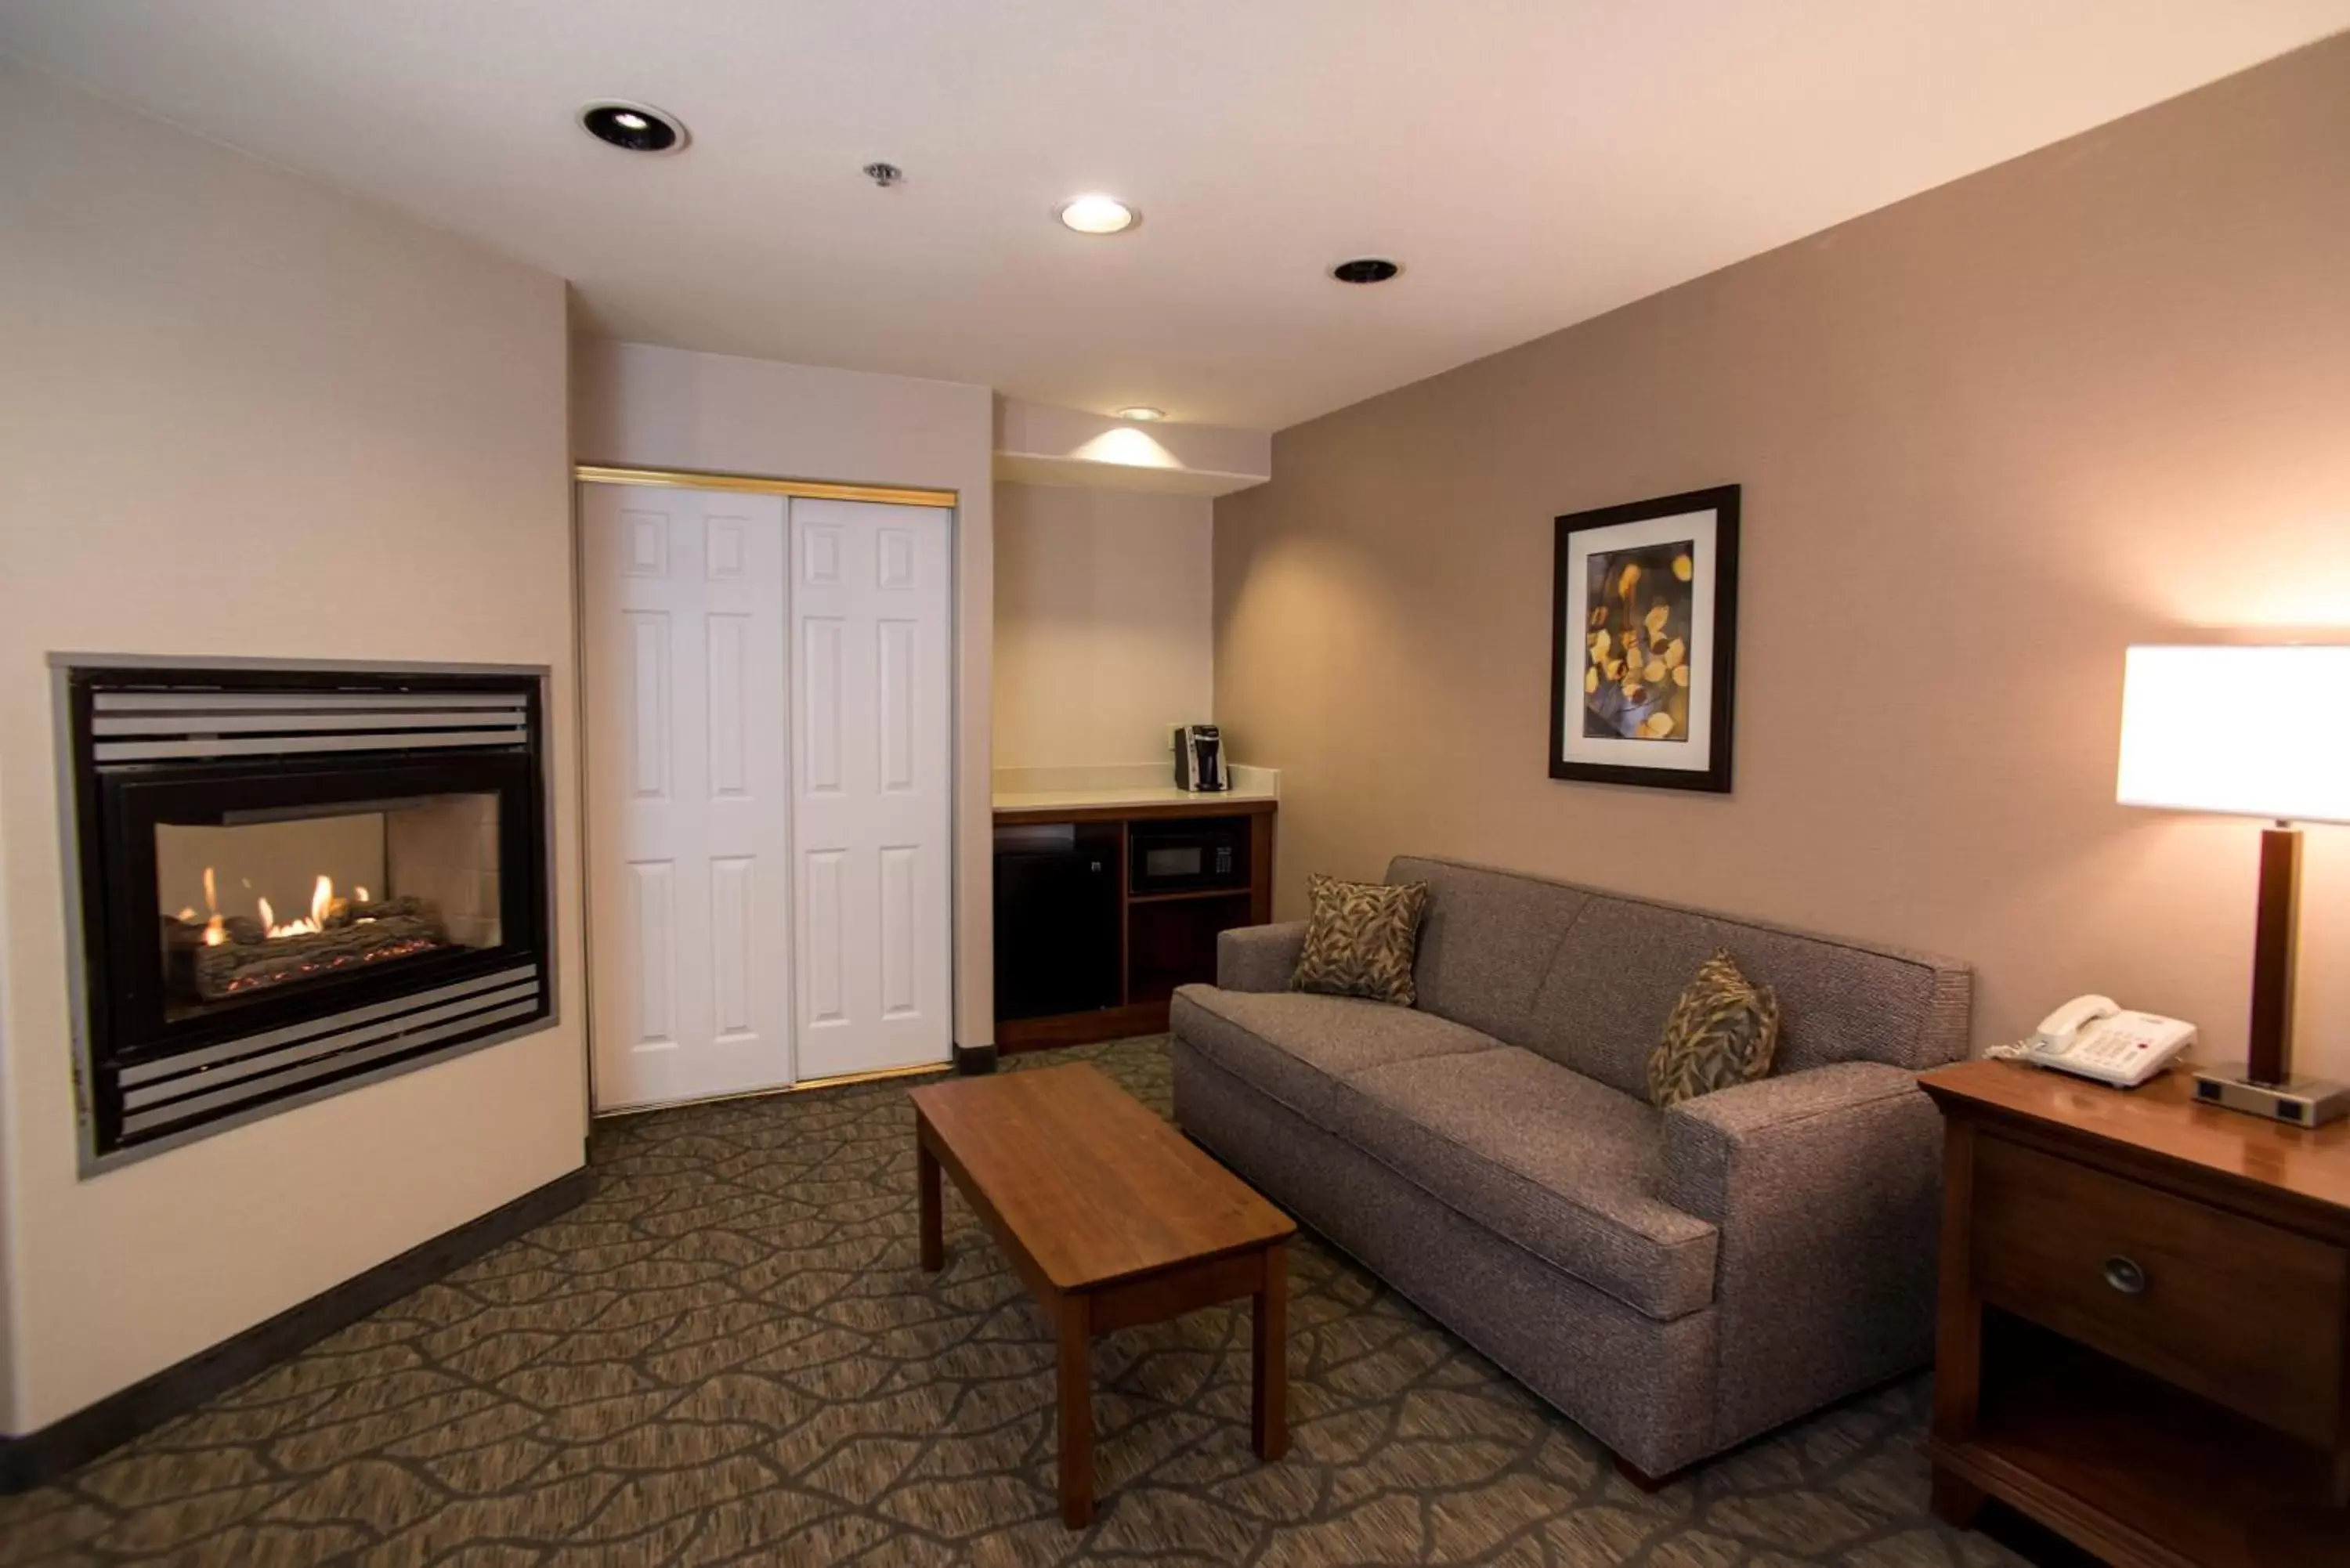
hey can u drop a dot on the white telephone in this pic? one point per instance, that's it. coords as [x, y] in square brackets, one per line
[2096, 1038]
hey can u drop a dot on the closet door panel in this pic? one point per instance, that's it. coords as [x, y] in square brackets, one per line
[688, 797]
[872, 609]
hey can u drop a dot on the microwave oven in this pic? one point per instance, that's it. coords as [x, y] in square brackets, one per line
[1188, 857]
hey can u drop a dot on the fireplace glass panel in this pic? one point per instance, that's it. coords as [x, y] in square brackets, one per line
[262, 903]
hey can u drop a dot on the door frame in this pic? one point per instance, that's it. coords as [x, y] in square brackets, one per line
[806, 489]
[948, 501]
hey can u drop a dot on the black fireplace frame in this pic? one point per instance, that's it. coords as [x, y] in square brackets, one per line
[143, 741]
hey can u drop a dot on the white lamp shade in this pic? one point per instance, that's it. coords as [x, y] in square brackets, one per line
[2250, 732]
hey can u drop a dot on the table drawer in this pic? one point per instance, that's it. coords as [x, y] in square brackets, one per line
[2240, 1311]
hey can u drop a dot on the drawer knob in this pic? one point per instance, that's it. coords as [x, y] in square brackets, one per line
[2125, 1276]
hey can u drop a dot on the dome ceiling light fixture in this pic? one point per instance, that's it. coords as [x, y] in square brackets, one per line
[1094, 213]
[1142, 413]
[1365, 269]
[633, 126]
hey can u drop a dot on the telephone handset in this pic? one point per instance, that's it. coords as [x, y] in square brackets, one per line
[2093, 1036]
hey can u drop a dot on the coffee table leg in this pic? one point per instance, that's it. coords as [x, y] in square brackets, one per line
[1269, 1372]
[926, 1183]
[1076, 1396]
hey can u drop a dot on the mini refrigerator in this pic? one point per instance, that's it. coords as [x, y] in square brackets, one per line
[1057, 918]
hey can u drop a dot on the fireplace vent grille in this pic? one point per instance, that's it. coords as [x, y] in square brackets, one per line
[181, 726]
[159, 1095]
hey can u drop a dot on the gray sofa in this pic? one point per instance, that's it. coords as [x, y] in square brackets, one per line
[1675, 1281]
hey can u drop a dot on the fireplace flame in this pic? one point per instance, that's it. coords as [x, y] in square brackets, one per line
[215, 929]
[322, 904]
[337, 934]
[324, 907]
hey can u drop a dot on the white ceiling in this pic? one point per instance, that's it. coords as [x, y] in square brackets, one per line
[1531, 163]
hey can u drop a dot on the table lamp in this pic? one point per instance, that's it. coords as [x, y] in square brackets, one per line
[2248, 731]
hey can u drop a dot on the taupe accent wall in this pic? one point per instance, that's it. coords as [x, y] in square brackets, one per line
[1989, 437]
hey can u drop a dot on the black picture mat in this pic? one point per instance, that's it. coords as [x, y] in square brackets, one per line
[1723, 502]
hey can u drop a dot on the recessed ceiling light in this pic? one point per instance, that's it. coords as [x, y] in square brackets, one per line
[1097, 215]
[633, 126]
[1365, 269]
[1141, 414]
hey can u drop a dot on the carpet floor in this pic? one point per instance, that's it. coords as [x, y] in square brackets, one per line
[728, 1355]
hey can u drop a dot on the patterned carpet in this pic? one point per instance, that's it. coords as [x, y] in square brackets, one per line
[729, 1355]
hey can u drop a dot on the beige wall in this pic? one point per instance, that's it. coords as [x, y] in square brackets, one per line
[245, 415]
[637, 406]
[1104, 637]
[1988, 437]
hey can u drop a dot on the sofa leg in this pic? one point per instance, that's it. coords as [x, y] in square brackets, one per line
[1642, 1479]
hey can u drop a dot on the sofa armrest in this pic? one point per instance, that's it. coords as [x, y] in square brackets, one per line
[1259, 958]
[1718, 1142]
[1825, 1186]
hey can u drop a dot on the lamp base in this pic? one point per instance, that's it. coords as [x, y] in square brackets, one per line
[2304, 1102]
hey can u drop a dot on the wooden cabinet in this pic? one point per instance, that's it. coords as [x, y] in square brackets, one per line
[2237, 1310]
[2144, 1320]
[1163, 939]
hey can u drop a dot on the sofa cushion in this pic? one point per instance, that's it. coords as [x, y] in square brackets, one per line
[1486, 942]
[1621, 968]
[1547, 1159]
[1295, 1046]
[1588, 978]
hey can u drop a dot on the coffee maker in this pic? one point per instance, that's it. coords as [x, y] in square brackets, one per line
[1200, 758]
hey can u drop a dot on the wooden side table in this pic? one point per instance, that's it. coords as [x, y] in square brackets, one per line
[2144, 1339]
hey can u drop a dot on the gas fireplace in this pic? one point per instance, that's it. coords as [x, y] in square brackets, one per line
[295, 880]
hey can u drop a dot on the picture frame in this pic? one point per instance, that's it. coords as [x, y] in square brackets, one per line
[1644, 642]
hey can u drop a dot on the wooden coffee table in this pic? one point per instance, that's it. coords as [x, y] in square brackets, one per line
[1113, 1219]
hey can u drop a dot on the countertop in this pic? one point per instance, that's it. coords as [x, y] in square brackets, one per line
[1206, 801]
[1093, 789]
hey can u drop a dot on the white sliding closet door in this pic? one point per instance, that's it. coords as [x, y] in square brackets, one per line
[683, 634]
[871, 604]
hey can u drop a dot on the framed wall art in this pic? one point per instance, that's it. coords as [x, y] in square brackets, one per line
[1644, 613]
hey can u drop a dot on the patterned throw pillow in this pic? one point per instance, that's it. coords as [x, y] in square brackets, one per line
[1360, 938]
[1723, 1032]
